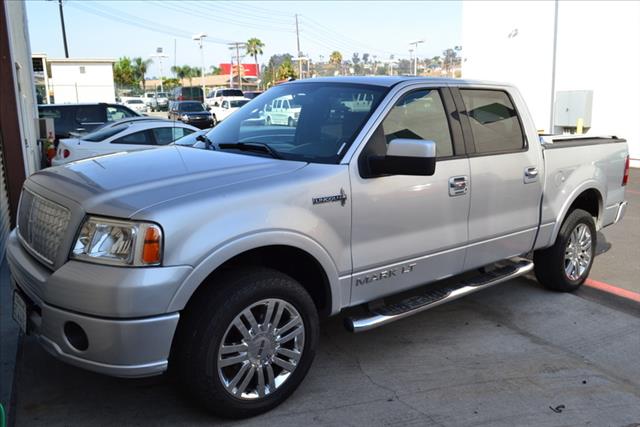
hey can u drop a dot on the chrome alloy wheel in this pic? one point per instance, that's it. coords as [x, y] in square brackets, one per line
[577, 254]
[260, 349]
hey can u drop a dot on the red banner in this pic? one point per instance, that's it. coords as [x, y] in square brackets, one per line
[246, 70]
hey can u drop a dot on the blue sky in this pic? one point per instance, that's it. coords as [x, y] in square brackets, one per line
[136, 28]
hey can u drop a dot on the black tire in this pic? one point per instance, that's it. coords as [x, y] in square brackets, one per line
[268, 121]
[215, 120]
[550, 262]
[290, 122]
[208, 318]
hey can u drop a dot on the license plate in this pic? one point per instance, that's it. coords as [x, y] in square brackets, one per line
[20, 311]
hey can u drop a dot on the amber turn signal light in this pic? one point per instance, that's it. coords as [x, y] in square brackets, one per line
[151, 250]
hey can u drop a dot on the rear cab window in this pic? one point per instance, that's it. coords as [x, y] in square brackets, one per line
[495, 124]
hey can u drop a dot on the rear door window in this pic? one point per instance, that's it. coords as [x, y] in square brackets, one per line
[91, 114]
[137, 138]
[494, 120]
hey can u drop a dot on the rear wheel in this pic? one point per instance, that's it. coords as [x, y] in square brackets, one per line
[566, 265]
[215, 120]
[248, 354]
[290, 122]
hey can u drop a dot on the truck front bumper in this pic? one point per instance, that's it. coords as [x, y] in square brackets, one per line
[124, 343]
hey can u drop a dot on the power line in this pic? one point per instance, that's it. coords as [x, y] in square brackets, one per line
[245, 24]
[134, 21]
[239, 13]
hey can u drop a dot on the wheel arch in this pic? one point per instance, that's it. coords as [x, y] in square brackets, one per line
[588, 197]
[296, 255]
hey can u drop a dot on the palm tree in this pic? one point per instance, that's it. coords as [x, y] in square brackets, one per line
[254, 48]
[140, 69]
[335, 58]
[183, 72]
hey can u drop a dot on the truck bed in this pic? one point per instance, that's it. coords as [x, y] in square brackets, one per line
[553, 142]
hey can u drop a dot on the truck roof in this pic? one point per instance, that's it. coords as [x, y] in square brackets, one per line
[388, 81]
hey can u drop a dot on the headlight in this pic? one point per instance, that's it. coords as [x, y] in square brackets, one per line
[107, 241]
[185, 118]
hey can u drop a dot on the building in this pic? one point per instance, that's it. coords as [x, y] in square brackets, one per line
[19, 152]
[73, 80]
[210, 82]
[597, 61]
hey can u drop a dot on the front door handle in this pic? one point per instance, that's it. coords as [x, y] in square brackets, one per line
[458, 185]
[530, 174]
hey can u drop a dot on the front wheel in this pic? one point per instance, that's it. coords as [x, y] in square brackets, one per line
[566, 265]
[247, 343]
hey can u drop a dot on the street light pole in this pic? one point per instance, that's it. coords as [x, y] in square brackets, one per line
[415, 60]
[160, 57]
[200, 39]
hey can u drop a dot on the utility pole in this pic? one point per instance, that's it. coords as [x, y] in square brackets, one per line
[299, 53]
[64, 31]
[237, 46]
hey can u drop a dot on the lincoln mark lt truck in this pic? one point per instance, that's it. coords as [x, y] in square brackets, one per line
[215, 262]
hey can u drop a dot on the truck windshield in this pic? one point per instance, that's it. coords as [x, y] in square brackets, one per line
[308, 121]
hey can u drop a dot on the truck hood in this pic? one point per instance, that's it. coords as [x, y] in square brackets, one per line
[122, 184]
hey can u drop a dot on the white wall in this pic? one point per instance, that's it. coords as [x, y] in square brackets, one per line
[23, 76]
[71, 86]
[598, 49]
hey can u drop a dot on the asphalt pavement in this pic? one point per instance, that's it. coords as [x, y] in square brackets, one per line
[515, 354]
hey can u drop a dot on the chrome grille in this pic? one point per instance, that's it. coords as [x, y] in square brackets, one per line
[42, 225]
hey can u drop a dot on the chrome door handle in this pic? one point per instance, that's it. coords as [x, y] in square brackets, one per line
[458, 185]
[530, 174]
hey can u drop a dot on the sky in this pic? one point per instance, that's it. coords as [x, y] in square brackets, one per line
[112, 29]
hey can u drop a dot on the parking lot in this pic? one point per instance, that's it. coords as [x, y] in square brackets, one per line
[512, 355]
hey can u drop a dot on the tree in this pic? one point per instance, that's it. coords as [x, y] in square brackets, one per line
[450, 56]
[271, 70]
[123, 73]
[169, 84]
[140, 70]
[184, 72]
[285, 70]
[254, 48]
[215, 71]
[336, 59]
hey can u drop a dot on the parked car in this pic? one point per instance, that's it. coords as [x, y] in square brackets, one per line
[218, 264]
[125, 136]
[216, 96]
[187, 94]
[225, 108]
[250, 94]
[191, 112]
[150, 101]
[82, 118]
[136, 104]
[282, 111]
[162, 101]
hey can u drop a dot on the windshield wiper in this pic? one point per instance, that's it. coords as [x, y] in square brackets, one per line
[251, 146]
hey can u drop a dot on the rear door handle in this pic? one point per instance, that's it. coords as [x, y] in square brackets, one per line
[530, 174]
[458, 185]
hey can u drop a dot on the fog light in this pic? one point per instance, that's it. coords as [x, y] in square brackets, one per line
[76, 336]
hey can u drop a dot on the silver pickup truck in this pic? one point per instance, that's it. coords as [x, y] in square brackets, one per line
[216, 263]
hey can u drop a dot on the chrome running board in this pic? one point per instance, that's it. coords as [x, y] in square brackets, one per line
[433, 298]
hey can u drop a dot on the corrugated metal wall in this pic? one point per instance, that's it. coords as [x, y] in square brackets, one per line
[4, 207]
